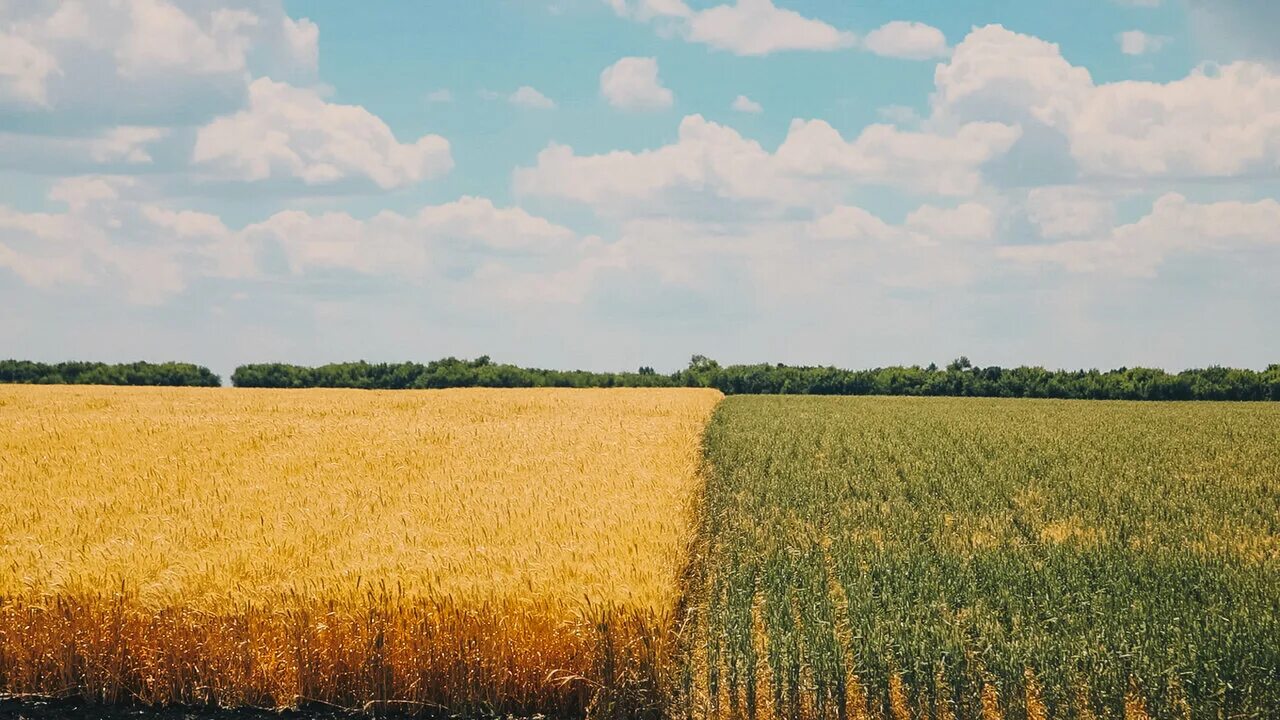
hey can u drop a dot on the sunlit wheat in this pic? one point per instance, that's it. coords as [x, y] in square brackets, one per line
[474, 550]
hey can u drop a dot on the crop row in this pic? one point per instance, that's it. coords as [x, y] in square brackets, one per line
[965, 558]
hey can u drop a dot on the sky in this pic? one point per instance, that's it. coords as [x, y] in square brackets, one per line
[605, 184]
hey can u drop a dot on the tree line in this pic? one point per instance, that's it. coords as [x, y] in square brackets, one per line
[446, 373]
[96, 373]
[960, 378]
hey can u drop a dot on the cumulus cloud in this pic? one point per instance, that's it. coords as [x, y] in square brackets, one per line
[907, 40]
[845, 252]
[1216, 122]
[1070, 211]
[927, 162]
[302, 41]
[109, 237]
[899, 115]
[529, 97]
[162, 38]
[144, 62]
[746, 27]
[293, 133]
[927, 225]
[119, 149]
[758, 27]
[632, 83]
[996, 74]
[1219, 122]
[934, 247]
[645, 10]
[112, 236]
[744, 104]
[127, 144]
[1137, 42]
[1175, 225]
[814, 165]
[24, 71]
[438, 239]
[707, 162]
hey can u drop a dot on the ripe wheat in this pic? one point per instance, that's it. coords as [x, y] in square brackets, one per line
[464, 550]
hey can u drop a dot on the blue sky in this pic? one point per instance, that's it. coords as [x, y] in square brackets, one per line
[614, 183]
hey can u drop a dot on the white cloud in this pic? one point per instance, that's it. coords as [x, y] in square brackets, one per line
[709, 161]
[1175, 225]
[112, 237]
[632, 83]
[758, 27]
[144, 61]
[120, 86]
[972, 222]
[529, 97]
[1137, 42]
[302, 38]
[37, 266]
[927, 225]
[899, 115]
[24, 70]
[907, 40]
[1217, 122]
[848, 222]
[81, 191]
[846, 253]
[814, 166]
[125, 144]
[746, 27]
[744, 104]
[121, 149]
[418, 246]
[162, 38]
[1141, 3]
[933, 248]
[645, 10]
[67, 21]
[289, 132]
[996, 74]
[1070, 211]
[108, 238]
[442, 95]
[927, 162]
[1220, 122]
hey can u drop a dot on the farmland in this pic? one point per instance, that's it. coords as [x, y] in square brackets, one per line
[475, 550]
[888, 557]
[640, 553]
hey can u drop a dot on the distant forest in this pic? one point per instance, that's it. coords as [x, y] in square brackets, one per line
[96, 373]
[958, 379]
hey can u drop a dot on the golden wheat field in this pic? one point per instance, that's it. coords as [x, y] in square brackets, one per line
[470, 550]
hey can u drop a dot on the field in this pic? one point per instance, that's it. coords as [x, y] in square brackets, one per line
[894, 557]
[477, 550]
[641, 553]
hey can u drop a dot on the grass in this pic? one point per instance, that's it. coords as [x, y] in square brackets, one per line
[481, 551]
[961, 558]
